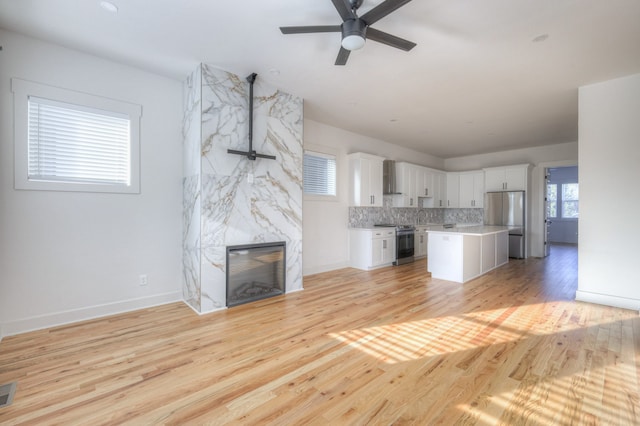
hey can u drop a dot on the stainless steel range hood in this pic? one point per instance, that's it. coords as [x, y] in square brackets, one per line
[389, 177]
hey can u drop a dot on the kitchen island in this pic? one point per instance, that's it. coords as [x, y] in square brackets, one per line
[461, 254]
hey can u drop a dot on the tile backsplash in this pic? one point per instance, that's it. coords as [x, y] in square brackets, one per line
[363, 217]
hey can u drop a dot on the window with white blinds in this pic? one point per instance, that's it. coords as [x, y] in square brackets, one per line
[319, 174]
[71, 141]
[77, 144]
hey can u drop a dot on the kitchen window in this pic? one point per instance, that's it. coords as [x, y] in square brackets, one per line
[72, 141]
[319, 174]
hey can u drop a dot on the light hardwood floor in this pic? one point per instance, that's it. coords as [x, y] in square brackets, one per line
[392, 346]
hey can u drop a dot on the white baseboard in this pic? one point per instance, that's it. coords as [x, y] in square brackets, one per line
[206, 312]
[324, 268]
[66, 317]
[604, 299]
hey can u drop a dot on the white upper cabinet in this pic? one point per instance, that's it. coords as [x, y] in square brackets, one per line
[439, 190]
[471, 189]
[416, 185]
[365, 180]
[424, 182]
[406, 184]
[453, 190]
[510, 178]
[440, 187]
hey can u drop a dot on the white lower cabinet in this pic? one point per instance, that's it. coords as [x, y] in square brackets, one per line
[372, 248]
[502, 248]
[488, 258]
[420, 242]
[495, 250]
[460, 257]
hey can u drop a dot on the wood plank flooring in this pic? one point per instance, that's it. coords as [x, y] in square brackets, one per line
[392, 346]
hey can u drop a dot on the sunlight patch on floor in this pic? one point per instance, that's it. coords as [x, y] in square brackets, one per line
[407, 341]
[555, 398]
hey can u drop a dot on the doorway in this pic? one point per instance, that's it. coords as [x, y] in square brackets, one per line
[561, 207]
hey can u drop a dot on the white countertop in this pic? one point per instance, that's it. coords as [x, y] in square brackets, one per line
[472, 230]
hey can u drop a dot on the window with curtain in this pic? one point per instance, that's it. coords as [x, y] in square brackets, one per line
[73, 141]
[319, 174]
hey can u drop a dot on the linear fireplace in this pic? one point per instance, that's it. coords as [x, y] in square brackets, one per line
[255, 271]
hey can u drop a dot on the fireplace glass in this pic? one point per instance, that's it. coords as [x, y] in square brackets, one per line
[255, 271]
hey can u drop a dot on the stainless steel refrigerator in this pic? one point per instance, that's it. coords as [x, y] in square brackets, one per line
[507, 208]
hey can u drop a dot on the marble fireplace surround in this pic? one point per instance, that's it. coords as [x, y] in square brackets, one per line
[229, 199]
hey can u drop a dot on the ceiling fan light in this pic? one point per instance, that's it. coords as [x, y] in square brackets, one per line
[353, 42]
[353, 34]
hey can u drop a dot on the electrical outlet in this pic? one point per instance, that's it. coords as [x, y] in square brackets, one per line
[144, 280]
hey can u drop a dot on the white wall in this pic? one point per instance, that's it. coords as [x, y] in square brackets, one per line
[540, 154]
[66, 256]
[325, 240]
[609, 173]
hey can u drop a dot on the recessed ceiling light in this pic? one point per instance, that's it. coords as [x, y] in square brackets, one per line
[108, 6]
[540, 38]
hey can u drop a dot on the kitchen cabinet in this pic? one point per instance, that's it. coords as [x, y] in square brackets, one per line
[439, 189]
[453, 190]
[420, 240]
[416, 185]
[365, 180]
[372, 248]
[510, 178]
[424, 182]
[502, 248]
[488, 258]
[462, 254]
[471, 189]
[495, 251]
[406, 180]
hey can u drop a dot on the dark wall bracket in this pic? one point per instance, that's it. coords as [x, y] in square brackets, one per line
[251, 154]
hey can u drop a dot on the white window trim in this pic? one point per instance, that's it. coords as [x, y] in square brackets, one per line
[22, 89]
[329, 152]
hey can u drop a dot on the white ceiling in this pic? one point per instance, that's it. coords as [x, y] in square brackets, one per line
[475, 83]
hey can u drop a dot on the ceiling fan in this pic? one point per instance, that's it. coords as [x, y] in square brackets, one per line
[356, 29]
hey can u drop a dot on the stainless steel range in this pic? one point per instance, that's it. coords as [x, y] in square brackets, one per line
[405, 235]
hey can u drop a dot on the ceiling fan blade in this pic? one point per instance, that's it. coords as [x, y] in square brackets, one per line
[382, 10]
[311, 29]
[343, 55]
[389, 40]
[344, 9]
